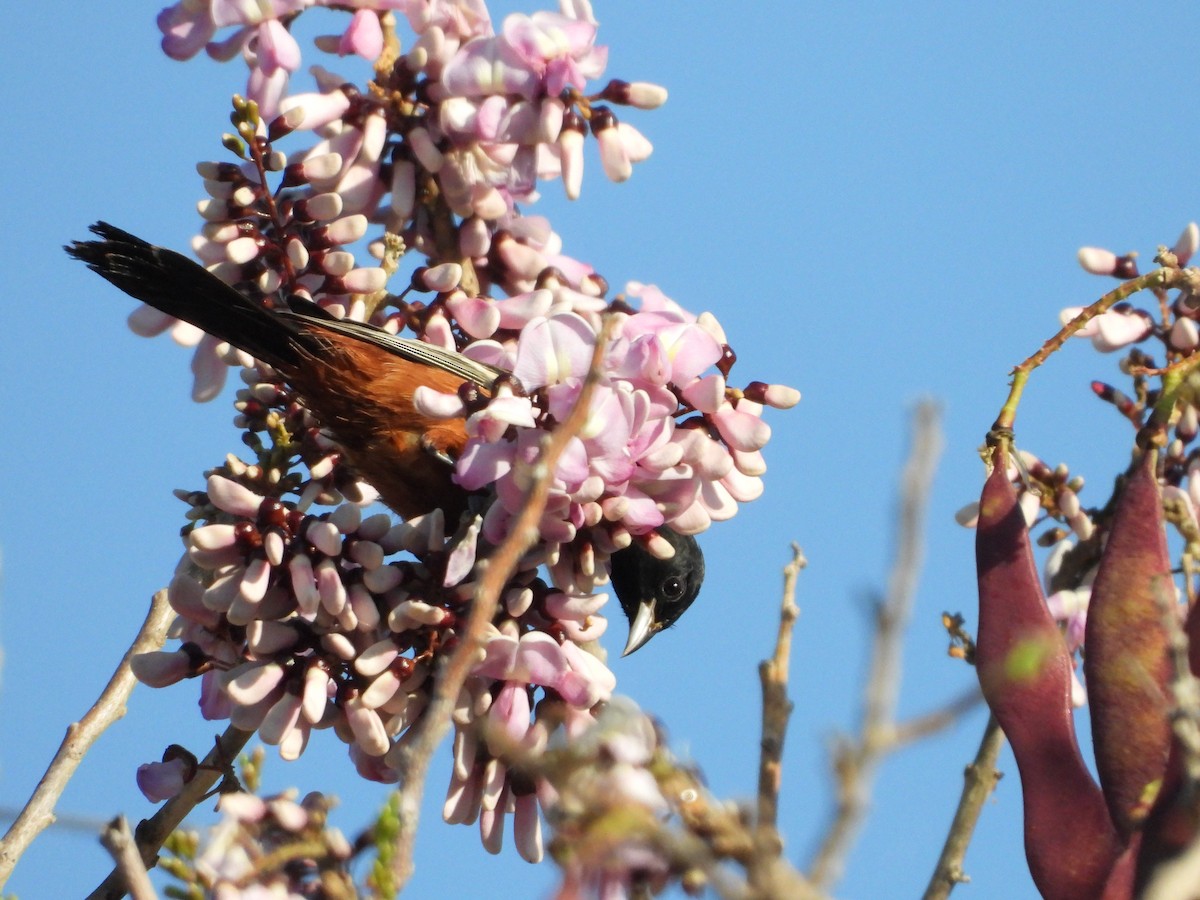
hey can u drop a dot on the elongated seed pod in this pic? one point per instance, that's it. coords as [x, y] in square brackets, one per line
[1173, 822]
[1126, 645]
[1025, 671]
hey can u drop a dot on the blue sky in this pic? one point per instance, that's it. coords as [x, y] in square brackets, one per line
[879, 201]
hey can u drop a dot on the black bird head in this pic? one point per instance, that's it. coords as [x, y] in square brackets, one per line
[655, 592]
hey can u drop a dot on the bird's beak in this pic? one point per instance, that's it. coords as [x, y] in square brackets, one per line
[642, 628]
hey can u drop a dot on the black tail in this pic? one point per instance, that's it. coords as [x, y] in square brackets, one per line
[172, 283]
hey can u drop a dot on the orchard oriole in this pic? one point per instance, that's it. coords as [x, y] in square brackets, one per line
[358, 381]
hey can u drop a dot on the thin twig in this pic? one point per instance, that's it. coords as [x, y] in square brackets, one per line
[930, 723]
[118, 840]
[435, 722]
[38, 813]
[856, 760]
[979, 781]
[152, 832]
[767, 874]
[776, 710]
[1159, 279]
[90, 825]
[687, 851]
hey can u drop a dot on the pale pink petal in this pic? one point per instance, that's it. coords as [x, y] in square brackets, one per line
[254, 682]
[160, 668]
[510, 711]
[363, 36]
[367, 727]
[1185, 247]
[706, 394]
[277, 49]
[478, 317]
[552, 350]
[281, 719]
[740, 430]
[1117, 330]
[482, 464]
[161, 781]
[539, 659]
[1097, 261]
[516, 312]
[462, 558]
[527, 828]
[186, 28]
[436, 404]
[147, 321]
[500, 658]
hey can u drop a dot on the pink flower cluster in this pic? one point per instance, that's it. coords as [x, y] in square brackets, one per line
[260, 34]
[665, 442]
[297, 619]
[605, 803]
[478, 117]
[1124, 325]
[487, 114]
[268, 847]
[1174, 328]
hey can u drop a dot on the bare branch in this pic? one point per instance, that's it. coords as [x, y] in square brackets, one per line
[979, 781]
[118, 840]
[856, 760]
[777, 708]
[768, 874]
[152, 832]
[936, 720]
[38, 813]
[90, 825]
[435, 722]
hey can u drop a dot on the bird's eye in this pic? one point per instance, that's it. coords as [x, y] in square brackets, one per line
[673, 588]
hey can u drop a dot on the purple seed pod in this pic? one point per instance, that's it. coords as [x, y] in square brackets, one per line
[1127, 663]
[1025, 672]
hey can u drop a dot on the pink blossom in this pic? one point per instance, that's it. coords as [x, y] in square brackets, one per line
[1187, 244]
[536, 658]
[487, 65]
[363, 36]
[186, 29]
[159, 781]
[553, 350]
[276, 48]
[1110, 330]
[160, 668]
[1098, 261]
[459, 20]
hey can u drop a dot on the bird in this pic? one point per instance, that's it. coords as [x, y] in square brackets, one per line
[358, 381]
[654, 592]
